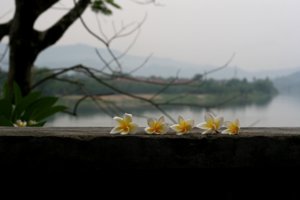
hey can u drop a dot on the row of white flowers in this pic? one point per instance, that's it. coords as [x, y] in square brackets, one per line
[211, 125]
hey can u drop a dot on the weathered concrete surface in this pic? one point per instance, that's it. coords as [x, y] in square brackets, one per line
[59, 149]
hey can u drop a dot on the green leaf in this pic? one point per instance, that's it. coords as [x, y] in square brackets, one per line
[40, 106]
[112, 3]
[5, 122]
[39, 124]
[17, 93]
[47, 113]
[23, 105]
[5, 108]
[101, 6]
[6, 92]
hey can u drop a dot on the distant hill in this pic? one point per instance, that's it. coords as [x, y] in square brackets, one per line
[69, 55]
[288, 84]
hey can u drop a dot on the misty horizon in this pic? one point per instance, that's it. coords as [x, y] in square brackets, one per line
[262, 33]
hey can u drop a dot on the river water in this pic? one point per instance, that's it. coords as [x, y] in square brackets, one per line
[281, 111]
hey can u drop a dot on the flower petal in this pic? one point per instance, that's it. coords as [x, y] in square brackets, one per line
[124, 133]
[220, 122]
[115, 130]
[127, 117]
[237, 122]
[227, 123]
[133, 128]
[207, 132]
[180, 119]
[148, 130]
[164, 129]
[151, 122]
[190, 122]
[118, 119]
[203, 125]
[208, 116]
[226, 131]
[175, 127]
[161, 119]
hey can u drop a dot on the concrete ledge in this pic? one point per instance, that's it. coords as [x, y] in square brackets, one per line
[59, 149]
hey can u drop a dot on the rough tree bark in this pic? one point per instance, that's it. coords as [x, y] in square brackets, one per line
[26, 42]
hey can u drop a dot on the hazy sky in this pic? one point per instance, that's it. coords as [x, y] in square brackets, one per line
[264, 34]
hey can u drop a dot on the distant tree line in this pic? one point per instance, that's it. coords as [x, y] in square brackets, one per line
[67, 85]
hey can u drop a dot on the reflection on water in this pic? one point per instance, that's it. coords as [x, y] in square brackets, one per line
[281, 111]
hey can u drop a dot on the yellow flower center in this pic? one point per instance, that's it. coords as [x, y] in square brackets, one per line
[213, 124]
[184, 127]
[125, 126]
[233, 128]
[157, 127]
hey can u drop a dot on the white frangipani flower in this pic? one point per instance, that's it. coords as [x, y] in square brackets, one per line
[157, 126]
[183, 126]
[212, 124]
[232, 128]
[124, 125]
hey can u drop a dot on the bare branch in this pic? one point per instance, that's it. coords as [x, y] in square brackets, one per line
[106, 64]
[68, 81]
[6, 13]
[223, 102]
[60, 8]
[121, 33]
[4, 29]
[40, 7]
[118, 34]
[221, 67]
[54, 76]
[163, 89]
[100, 27]
[54, 33]
[94, 99]
[114, 58]
[124, 53]
[182, 96]
[4, 54]
[92, 75]
[142, 65]
[157, 106]
[91, 32]
[143, 2]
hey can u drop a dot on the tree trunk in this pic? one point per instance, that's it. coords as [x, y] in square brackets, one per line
[21, 61]
[26, 43]
[23, 43]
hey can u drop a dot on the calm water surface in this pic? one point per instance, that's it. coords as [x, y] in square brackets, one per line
[283, 111]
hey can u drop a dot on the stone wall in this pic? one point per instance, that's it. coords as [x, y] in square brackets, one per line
[60, 149]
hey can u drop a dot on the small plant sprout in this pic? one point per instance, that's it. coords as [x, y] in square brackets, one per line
[30, 110]
[183, 126]
[124, 125]
[32, 123]
[232, 127]
[20, 123]
[212, 124]
[157, 126]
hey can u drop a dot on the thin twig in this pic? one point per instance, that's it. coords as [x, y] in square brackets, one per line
[53, 76]
[100, 27]
[221, 67]
[154, 2]
[6, 13]
[106, 64]
[142, 65]
[4, 54]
